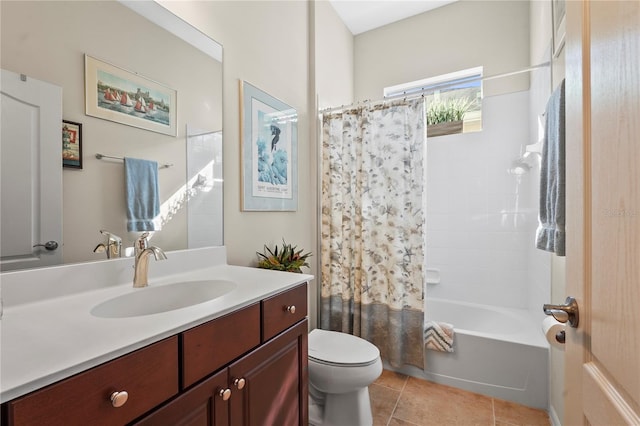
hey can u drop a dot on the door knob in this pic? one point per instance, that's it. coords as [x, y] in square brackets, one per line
[49, 245]
[564, 313]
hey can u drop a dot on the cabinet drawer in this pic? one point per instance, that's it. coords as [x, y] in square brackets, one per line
[210, 346]
[278, 313]
[149, 376]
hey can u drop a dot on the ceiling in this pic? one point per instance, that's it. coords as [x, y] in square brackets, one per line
[364, 15]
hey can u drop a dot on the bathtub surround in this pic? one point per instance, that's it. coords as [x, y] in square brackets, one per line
[480, 219]
[373, 196]
[551, 234]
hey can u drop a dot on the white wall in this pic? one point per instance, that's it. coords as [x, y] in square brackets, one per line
[460, 35]
[334, 58]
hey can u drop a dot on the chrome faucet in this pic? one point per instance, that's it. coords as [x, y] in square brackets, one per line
[142, 252]
[113, 245]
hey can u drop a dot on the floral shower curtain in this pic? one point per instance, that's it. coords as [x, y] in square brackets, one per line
[372, 235]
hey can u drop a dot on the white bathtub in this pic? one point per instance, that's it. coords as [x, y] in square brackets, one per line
[499, 352]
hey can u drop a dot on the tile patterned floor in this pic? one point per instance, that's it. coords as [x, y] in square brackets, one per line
[399, 400]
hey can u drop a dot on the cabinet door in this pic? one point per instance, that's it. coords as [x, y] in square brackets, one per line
[275, 382]
[203, 405]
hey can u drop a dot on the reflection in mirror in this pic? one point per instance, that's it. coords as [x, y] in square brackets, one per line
[48, 41]
[204, 188]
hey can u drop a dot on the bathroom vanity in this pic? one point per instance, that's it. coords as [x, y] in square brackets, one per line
[238, 359]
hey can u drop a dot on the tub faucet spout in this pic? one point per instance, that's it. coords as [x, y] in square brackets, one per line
[142, 253]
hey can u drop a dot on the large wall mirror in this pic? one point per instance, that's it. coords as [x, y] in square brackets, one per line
[49, 41]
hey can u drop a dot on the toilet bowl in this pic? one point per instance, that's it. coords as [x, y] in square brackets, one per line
[341, 367]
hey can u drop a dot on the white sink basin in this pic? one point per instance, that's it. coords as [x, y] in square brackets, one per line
[163, 298]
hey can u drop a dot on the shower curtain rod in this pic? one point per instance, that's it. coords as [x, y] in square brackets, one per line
[508, 74]
[420, 93]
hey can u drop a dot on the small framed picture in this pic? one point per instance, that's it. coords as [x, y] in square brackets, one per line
[71, 144]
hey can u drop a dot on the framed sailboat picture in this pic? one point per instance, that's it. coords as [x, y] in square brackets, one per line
[126, 97]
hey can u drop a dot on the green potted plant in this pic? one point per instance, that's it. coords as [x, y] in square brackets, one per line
[285, 258]
[446, 117]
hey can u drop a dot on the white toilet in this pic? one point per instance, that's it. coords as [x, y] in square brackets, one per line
[341, 367]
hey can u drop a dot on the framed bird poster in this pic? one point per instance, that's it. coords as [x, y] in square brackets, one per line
[268, 131]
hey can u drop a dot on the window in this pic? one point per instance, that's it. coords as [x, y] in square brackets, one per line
[447, 92]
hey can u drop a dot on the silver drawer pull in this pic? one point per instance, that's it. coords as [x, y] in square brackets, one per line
[291, 309]
[118, 399]
[239, 383]
[225, 394]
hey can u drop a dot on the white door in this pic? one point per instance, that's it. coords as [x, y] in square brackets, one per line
[602, 381]
[31, 172]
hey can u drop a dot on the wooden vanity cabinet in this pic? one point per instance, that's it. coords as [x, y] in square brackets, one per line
[268, 386]
[265, 386]
[248, 367]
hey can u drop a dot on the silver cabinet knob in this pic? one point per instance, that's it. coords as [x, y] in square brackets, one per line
[239, 383]
[118, 399]
[225, 394]
[291, 309]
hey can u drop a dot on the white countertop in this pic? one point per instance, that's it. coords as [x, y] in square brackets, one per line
[47, 332]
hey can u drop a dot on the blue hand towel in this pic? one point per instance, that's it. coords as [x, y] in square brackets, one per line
[143, 201]
[550, 235]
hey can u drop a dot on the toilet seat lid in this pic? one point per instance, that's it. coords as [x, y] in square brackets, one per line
[332, 347]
